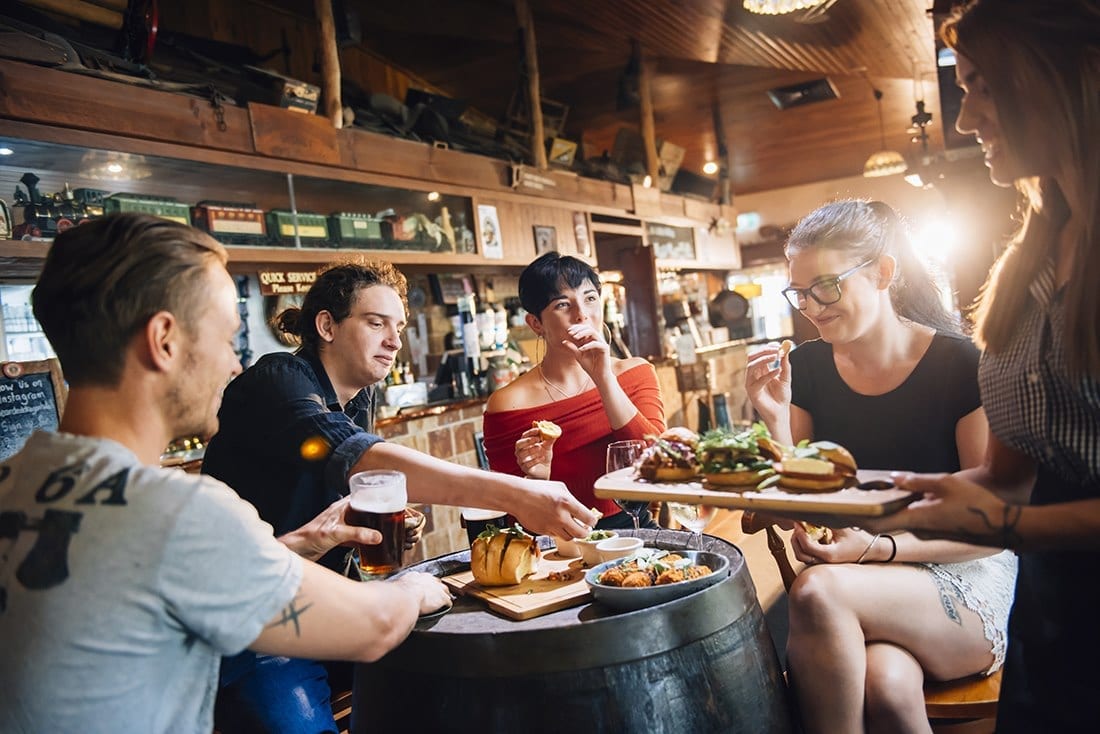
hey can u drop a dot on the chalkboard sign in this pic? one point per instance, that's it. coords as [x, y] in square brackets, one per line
[671, 243]
[32, 396]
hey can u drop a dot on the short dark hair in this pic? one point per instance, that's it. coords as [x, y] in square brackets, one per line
[334, 291]
[548, 275]
[102, 281]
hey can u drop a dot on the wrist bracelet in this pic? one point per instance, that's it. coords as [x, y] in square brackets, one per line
[893, 547]
[868, 549]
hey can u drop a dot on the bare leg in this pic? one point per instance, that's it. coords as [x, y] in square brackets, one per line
[835, 610]
[894, 691]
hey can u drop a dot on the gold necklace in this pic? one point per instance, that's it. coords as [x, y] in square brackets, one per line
[563, 393]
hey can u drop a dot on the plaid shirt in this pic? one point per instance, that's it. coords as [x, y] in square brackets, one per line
[1033, 404]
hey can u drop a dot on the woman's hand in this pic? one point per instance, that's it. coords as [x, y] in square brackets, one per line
[846, 546]
[534, 454]
[592, 353]
[414, 527]
[769, 387]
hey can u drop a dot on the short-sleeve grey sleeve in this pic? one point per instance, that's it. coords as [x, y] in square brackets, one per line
[224, 574]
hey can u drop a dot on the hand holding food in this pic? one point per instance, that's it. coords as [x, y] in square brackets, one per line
[503, 557]
[548, 430]
[768, 384]
[535, 448]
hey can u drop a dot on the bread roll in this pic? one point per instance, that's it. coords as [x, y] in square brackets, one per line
[504, 557]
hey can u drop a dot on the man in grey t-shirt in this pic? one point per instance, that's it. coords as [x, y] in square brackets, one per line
[122, 584]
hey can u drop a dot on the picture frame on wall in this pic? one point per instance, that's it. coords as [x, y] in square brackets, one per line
[580, 232]
[546, 239]
[488, 222]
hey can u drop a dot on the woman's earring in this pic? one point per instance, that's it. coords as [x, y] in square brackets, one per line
[538, 343]
[607, 329]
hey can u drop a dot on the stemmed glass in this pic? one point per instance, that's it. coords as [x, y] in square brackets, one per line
[693, 517]
[620, 455]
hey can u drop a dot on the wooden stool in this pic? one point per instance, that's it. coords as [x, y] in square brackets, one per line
[962, 706]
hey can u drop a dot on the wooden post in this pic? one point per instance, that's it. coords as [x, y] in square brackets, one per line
[538, 134]
[80, 10]
[330, 64]
[649, 131]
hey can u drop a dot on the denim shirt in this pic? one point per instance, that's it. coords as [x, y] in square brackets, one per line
[285, 444]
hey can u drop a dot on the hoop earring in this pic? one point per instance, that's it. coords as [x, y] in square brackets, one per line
[607, 329]
[538, 342]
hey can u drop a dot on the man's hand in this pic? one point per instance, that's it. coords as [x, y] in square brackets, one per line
[431, 592]
[548, 508]
[326, 531]
[414, 527]
[953, 509]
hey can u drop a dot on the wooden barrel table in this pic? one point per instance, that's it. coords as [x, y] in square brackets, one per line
[701, 663]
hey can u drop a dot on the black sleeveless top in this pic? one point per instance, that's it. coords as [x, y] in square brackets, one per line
[912, 427]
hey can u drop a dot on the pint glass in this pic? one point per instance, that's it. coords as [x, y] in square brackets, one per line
[475, 519]
[378, 500]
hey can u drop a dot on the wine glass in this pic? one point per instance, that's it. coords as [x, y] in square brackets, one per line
[620, 455]
[693, 517]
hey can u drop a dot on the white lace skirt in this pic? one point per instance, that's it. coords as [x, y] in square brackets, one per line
[986, 587]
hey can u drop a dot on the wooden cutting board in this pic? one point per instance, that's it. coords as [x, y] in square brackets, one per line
[535, 595]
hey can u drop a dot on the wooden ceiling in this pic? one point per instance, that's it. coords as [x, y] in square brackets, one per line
[704, 53]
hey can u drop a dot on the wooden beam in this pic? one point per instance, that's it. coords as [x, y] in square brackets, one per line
[81, 11]
[530, 50]
[330, 64]
[649, 131]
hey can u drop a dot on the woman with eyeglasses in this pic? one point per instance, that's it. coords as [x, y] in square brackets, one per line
[893, 380]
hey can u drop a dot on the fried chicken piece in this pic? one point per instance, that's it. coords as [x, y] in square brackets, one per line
[637, 579]
[694, 572]
[613, 576]
[672, 558]
[671, 576]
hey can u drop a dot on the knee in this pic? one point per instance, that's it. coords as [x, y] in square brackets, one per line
[893, 693]
[814, 596]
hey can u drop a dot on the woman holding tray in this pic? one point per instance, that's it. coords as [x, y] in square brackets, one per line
[893, 381]
[593, 397]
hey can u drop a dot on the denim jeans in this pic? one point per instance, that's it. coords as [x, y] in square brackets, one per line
[264, 694]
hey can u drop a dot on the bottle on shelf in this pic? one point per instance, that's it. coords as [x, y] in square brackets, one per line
[471, 344]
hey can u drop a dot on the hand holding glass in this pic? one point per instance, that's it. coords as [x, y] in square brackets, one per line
[378, 499]
[620, 455]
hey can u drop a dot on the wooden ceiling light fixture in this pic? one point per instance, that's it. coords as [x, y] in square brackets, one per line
[780, 7]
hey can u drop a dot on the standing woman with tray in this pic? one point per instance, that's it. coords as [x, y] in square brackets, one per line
[893, 381]
[1030, 73]
[593, 397]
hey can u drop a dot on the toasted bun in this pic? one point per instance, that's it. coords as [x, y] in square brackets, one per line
[504, 559]
[548, 431]
[785, 347]
[674, 474]
[682, 434]
[745, 479]
[769, 449]
[841, 457]
[820, 533]
[829, 483]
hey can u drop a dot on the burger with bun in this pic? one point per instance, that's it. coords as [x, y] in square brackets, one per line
[821, 466]
[740, 460]
[671, 457]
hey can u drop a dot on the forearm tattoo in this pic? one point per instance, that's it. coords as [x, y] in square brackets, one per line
[1005, 535]
[292, 613]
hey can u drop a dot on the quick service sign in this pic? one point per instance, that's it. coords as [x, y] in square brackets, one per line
[285, 282]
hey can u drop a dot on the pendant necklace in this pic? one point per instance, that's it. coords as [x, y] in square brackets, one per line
[551, 386]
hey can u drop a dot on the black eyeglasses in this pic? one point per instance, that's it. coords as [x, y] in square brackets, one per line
[825, 291]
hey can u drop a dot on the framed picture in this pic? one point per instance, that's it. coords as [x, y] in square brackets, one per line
[580, 231]
[489, 226]
[546, 239]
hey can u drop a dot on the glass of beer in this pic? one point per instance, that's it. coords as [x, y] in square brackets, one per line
[475, 519]
[378, 499]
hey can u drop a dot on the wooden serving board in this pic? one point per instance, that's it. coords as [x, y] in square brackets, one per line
[535, 595]
[845, 502]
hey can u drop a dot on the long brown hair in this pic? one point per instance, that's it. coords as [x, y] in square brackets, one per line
[1042, 59]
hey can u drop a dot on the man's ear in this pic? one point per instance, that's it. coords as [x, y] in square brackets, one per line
[324, 324]
[887, 271]
[162, 335]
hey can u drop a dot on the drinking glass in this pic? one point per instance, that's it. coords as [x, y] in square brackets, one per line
[620, 455]
[693, 517]
[378, 499]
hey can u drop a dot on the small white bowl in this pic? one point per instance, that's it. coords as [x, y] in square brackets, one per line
[614, 548]
[567, 547]
[587, 547]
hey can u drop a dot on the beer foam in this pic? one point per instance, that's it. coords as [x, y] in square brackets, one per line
[378, 491]
[476, 514]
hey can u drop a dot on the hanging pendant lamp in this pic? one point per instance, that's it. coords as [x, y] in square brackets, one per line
[885, 162]
[779, 7]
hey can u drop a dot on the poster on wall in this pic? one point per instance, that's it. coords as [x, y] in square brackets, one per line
[489, 224]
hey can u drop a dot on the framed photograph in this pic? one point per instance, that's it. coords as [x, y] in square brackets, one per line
[546, 239]
[580, 231]
[489, 226]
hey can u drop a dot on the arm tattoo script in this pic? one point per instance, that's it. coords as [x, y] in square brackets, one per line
[292, 613]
